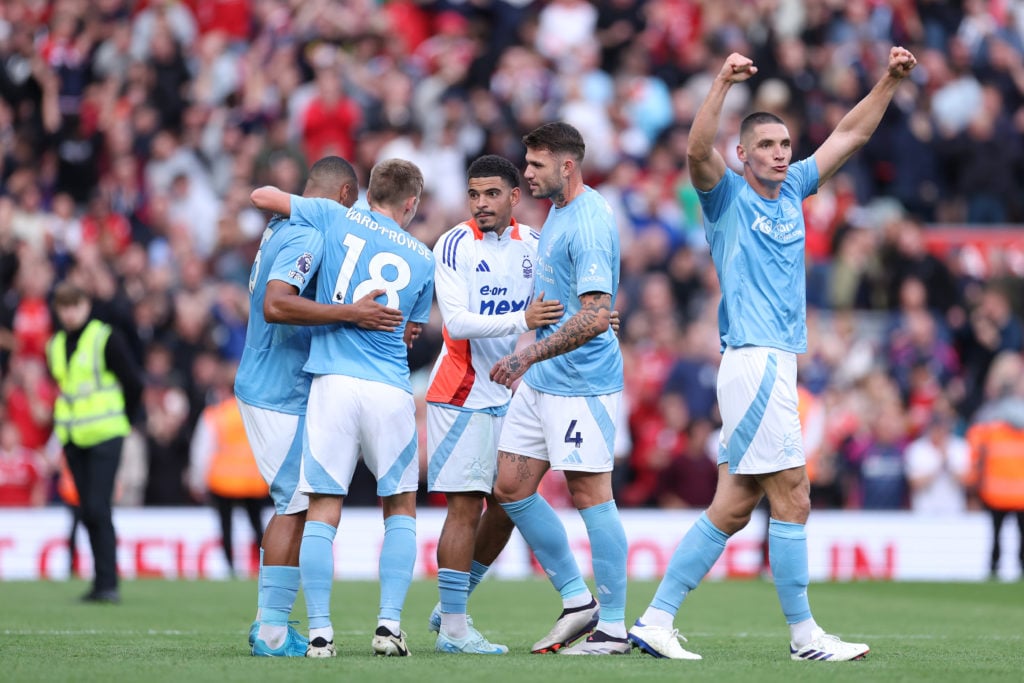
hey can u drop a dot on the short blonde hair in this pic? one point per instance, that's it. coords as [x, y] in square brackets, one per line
[392, 181]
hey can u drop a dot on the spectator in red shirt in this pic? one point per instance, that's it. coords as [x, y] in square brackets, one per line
[29, 394]
[32, 324]
[330, 119]
[111, 231]
[22, 474]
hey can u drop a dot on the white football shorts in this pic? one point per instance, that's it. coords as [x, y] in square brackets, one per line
[276, 442]
[573, 433]
[462, 449]
[758, 401]
[346, 415]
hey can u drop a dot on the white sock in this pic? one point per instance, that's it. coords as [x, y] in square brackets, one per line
[580, 600]
[394, 626]
[454, 625]
[273, 635]
[325, 632]
[802, 632]
[657, 617]
[616, 629]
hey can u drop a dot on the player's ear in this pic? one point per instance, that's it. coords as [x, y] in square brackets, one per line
[568, 166]
[516, 195]
[348, 195]
[741, 153]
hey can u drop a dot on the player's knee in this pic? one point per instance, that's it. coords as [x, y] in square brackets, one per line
[728, 520]
[465, 508]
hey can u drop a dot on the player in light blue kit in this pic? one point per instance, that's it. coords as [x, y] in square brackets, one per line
[361, 398]
[272, 390]
[755, 226]
[563, 414]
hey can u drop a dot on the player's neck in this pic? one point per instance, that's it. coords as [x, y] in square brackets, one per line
[768, 190]
[390, 213]
[573, 188]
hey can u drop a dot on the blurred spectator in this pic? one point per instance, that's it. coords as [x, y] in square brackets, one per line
[991, 328]
[937, 466]
[32, 324]
[997, 451]
[875, 460]
[222, 467]
[917, 344]
[23, 474]
[29, 394]
[690, 477]
[167, 410]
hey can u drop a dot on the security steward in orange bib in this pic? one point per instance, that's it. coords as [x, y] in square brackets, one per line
[97, 376]
[222, 464]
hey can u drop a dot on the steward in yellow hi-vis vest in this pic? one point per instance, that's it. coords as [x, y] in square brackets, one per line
[90, 406]
[99, 382]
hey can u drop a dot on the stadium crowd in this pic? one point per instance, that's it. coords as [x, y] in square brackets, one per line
[131, 134]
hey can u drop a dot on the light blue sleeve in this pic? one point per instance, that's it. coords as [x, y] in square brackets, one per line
[313, 212]
[593, 253]
[804, 175]
[714, 201]
[421, 309]
[298, 259]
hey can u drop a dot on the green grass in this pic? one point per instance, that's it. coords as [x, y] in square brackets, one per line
[196, 631]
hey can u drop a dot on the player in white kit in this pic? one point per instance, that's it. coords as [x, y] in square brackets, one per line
[483, 278]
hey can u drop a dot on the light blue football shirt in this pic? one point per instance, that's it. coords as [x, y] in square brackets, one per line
[364, 251]
[270, 374]
[757, 245]
[578, 253]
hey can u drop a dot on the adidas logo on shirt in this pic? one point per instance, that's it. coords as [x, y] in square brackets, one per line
[573, 458]
[482, 267]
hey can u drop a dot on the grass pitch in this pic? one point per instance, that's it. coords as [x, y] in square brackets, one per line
[196, 631]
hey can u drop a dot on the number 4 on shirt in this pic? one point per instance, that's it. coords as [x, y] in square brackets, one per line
[575, 439]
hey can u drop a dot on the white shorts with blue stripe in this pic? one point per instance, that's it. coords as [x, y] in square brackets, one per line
[276, 442]
[346, 416]
[573, 433]
[757, 398]
[462, 449]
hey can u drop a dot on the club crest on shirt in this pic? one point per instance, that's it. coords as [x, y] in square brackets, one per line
[527, 268]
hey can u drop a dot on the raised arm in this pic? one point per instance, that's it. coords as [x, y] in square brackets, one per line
[593, 319]
[860, 123]
[269, 198]
[706, 165]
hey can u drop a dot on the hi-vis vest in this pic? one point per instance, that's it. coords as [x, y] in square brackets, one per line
[90, 407]
[997, 456]
[233, 472]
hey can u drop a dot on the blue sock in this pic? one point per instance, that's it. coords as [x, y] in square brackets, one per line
[608, 548]
[546, 536]
[280, 585]
[316, 567]
[259, 589]
[476, 574]
[454, 588]
[694, 556]
[787, 554]
[397, 558]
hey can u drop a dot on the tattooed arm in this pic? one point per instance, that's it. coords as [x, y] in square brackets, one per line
[593, 318]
